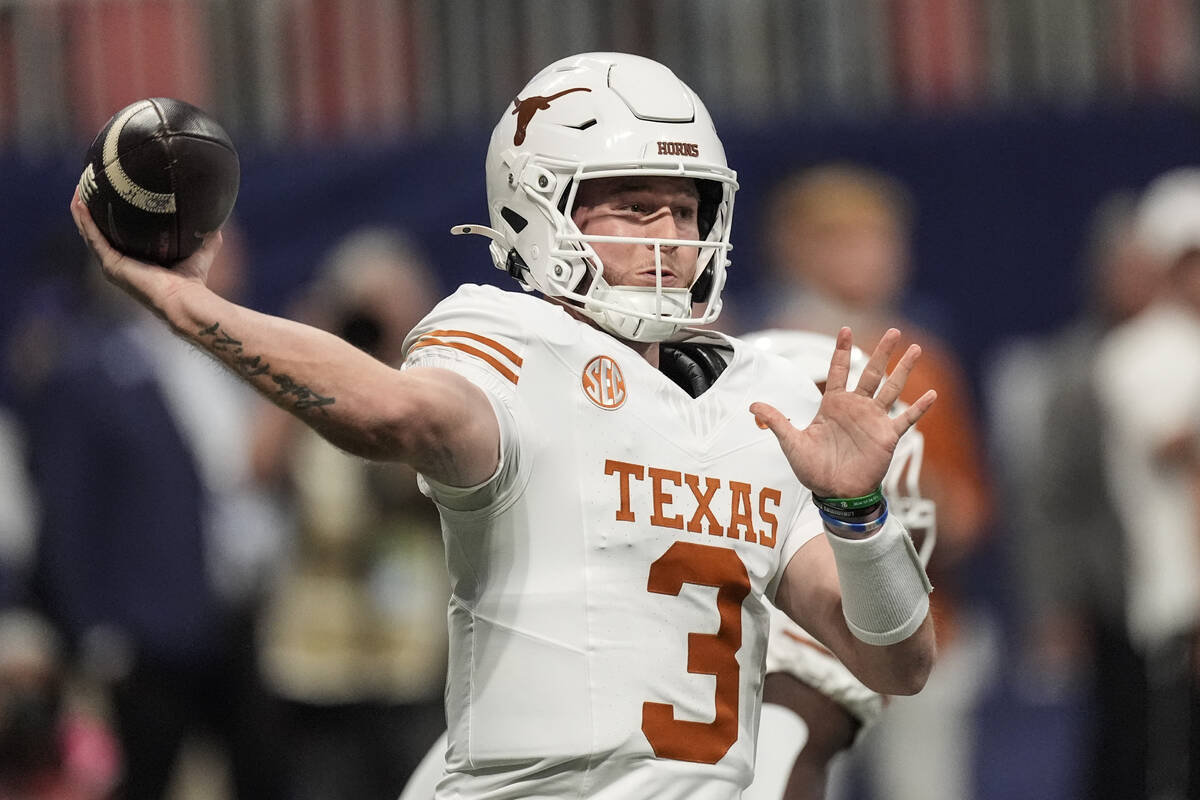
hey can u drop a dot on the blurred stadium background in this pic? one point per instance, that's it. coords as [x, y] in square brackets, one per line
[1008, 120]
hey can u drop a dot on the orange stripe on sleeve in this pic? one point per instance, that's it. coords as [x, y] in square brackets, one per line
[492, 343]
[429, 341]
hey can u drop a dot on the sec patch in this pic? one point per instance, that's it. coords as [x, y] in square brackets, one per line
[603, 383]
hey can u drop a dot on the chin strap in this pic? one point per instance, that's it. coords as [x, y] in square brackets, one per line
[674, 303]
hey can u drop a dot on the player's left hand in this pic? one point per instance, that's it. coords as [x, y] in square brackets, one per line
[846, 450]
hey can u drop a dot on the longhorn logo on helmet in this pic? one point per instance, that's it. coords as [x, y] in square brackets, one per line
[525, 109]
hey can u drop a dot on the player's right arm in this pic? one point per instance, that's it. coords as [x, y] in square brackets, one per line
[433, 419]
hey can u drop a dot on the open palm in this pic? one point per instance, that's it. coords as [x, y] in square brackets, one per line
[845, 451]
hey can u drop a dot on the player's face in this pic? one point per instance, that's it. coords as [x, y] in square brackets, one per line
[647, 207]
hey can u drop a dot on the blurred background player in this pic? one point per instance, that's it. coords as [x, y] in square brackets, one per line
[838, 246]
[354, 630]
[813, 707]
[838, 242]
[1072, 637]
[18, 513]
[1147, 378]
[154, 542]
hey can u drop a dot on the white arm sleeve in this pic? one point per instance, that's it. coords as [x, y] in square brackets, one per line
[885, 591]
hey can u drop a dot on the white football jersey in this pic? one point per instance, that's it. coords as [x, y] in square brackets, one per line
[607, 638]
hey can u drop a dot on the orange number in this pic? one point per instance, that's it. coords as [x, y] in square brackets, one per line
[708, 653]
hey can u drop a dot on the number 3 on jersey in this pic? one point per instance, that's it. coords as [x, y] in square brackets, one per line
[708, 653]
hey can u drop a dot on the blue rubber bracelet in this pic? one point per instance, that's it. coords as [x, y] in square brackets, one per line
[840, 527]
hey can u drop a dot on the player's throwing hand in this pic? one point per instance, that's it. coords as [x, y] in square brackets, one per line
[846, 449]
[137, 277]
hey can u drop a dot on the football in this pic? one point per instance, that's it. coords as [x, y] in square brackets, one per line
[160, 176]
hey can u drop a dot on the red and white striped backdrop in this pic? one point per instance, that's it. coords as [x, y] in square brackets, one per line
[290, 71]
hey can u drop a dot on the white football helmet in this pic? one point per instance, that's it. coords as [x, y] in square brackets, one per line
[810, 353]
[599, 115]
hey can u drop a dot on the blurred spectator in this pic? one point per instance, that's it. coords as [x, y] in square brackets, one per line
[355, 638]
[1070, 589]
[1148, 382]
[838, 246]
[51, 293]
[18, 513]
[153, 540]
[49, 750]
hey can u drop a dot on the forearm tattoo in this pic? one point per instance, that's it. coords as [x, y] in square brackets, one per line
[301, 397]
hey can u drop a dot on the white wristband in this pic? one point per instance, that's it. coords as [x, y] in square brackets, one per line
[885, 591]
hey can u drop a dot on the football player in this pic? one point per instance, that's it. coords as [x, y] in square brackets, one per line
[617, 493]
